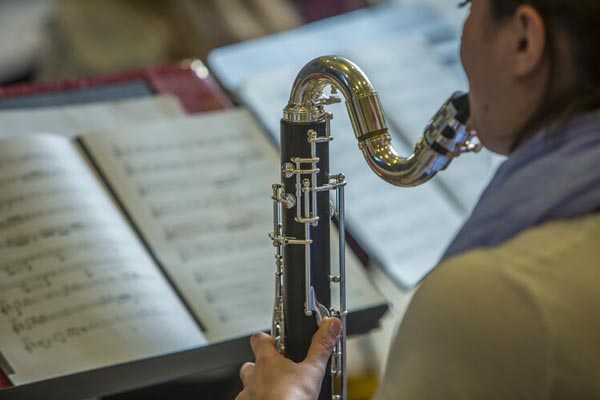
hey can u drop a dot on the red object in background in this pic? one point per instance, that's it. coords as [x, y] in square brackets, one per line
[196, 92]
[4, 382]
[313, 10]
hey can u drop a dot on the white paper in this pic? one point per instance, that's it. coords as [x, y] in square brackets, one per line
[77, 289]
[72, 120]
[200, 191]
[236, 64]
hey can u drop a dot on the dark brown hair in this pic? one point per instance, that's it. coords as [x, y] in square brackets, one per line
[579, 20]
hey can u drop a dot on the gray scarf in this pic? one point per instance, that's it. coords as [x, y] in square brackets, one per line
[545, 179]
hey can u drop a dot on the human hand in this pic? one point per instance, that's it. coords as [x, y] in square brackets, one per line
[274, 377]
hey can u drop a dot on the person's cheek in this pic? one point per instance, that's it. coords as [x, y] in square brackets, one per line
[464, 42]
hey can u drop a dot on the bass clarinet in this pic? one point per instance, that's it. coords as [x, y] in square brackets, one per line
[301, 201]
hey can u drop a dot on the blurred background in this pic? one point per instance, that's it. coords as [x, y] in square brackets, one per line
[48, 40]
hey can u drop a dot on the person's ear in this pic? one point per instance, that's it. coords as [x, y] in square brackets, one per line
[529, 41]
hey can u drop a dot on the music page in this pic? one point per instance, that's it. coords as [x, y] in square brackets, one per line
[199, 190]
[74, 119]
[77, 289]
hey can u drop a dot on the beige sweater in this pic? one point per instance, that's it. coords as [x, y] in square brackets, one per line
[520, 321]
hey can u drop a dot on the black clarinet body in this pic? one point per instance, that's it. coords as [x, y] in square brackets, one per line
[299, 326]
[301, 202]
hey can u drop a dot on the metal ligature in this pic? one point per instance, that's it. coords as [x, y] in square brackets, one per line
[301, 202]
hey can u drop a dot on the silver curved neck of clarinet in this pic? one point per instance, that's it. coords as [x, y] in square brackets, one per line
[445, 137]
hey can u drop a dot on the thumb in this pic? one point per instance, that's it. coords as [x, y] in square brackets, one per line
[323, 342]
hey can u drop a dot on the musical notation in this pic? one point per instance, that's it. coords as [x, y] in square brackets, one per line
[178, 206]
[123, 150]
[32, 176]
[74, 228]
[14, 220]
[202, 226]
[26, 158]
[203, 250]
[10, 202]
[26, 264]
[71, 268]
[63, 336]
[186, 183]
[244, 160]
[18, 305]
[87, 269]
[203, 204]
[29, 323]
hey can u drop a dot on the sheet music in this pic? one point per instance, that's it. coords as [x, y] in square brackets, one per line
[72, 120]
[236, 64]
[77, 290]
[200, 191]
